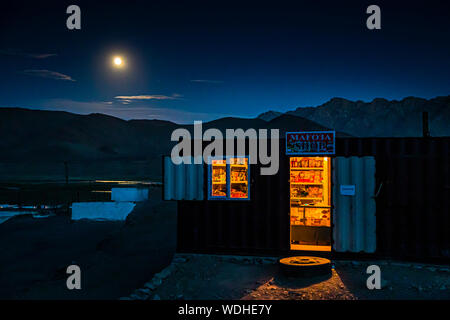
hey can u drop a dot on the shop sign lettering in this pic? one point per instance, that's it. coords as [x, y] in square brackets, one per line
[310, 142]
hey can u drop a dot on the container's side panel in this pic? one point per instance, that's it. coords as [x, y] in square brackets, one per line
[191, 182]
[200, 182]
[370, 223]
[358, 219]
[354, 224]
[168, 179]
[385, 229]
[432, 199]
[182, 181]
[445, 196]
[412, 206]
[417, 200]
[281, 204]
[402, 167]
[341, 205]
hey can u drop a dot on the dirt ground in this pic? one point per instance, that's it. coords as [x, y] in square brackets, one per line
[135, 260]
[114, 257]
[192, 277]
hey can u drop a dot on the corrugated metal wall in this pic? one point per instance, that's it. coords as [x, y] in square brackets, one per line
[183, 181]
[413, 193]
[354, 222]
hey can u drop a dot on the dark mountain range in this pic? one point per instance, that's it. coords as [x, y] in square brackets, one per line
[98, 145]
[36, 143]
[55, 135]
[378, 118]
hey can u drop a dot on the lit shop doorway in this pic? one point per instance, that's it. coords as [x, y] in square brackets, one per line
[310, 199]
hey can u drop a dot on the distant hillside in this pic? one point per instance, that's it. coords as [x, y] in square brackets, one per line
[380, 117]
[287, 122]
[36, 143]
[53, 135]
[269, 115]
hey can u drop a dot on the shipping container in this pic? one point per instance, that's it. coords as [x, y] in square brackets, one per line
[379, 197]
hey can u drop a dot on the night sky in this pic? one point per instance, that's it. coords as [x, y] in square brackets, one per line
[191, 60]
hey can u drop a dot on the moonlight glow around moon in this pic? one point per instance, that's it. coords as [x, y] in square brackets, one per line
[118, 62]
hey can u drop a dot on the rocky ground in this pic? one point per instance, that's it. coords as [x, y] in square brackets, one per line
[256, 278]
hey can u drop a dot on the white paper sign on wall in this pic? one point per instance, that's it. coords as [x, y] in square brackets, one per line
[348, 189]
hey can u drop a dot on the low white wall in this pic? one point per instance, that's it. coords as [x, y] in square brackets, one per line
[129, 194]
[101, 210]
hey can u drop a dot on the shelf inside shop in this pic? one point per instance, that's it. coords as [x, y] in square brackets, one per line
[308, 183]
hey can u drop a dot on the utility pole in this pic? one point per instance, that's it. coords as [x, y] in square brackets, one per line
[425, 127]
[66, 171]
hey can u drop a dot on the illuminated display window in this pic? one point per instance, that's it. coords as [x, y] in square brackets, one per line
[310, 199]
[228, 179]
[218, 178]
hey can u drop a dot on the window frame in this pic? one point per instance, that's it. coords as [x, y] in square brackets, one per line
[228, 178]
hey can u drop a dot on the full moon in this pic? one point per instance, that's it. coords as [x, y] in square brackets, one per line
[118, 62]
